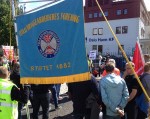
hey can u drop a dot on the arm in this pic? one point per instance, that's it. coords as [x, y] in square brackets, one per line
[20, 95]
[132, 94]
[135, 87]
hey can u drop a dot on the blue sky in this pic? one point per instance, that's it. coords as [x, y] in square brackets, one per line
[30, 6]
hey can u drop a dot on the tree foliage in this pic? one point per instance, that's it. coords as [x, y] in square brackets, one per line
[6, 24]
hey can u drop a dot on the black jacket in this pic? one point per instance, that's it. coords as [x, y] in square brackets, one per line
[20, 95]
[19, 92]
[41, 88]
[80, 91]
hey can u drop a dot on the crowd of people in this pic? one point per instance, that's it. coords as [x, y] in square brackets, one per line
[120, 95]
[116, 96]
[18, 94]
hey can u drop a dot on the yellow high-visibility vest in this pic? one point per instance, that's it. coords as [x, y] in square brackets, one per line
[8, 108]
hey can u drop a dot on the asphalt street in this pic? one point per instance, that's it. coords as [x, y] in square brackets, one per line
[64, 113]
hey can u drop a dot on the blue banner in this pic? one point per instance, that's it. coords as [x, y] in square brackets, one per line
[51, 44]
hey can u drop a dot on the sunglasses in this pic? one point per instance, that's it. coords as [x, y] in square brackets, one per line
[128, 68]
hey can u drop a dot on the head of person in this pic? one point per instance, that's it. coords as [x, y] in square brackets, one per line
[128, 68]
[147, 67]
[16, 67]
[112, 61]
[3, 72]
[109, 68]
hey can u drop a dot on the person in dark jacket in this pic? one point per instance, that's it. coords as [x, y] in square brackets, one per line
[141, 100]
[133, 86]
[15, 95]
[41, 97]
[15, 78]
[79, 92]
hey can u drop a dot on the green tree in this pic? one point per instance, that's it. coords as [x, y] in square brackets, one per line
[6, 23]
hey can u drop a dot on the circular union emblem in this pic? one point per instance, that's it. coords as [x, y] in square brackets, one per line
[48, 43]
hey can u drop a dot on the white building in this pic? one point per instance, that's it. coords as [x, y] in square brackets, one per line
[129, 20]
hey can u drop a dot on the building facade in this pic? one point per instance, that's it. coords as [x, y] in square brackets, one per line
[129, 20]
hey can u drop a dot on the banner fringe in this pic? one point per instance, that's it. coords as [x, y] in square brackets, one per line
[56, 80]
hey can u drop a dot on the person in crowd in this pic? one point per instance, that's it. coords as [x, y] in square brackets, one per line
[100, 65]
[133, 86]
[90, 65]
[15, 78]
[10, 96]
[114, 93]
[5, 62]
[54, 96]
[103, 63]
[13, 62]
[95, 73]
[116, 70]
[58, 86]
[141, 100]
[79, 92]
[1, 61]
[41, 97]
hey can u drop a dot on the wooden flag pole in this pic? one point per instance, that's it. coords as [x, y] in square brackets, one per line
[124, 54]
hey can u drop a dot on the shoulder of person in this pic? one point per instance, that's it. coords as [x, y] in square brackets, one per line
[144, 76]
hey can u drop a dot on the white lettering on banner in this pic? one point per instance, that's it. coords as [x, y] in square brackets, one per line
[100, 39]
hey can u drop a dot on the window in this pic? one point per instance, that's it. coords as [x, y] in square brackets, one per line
[94, 47]
[125, 11]
[147, 51]
[118, 30]
[119, 51]
[124, 29]
[100, 14]
[106, 13]
[100, 31]
[100, 48]
[94, 3]
[90, 16]
[95, 15]
[95, 31]
[118, 12]
[89, 3]
[142, 32]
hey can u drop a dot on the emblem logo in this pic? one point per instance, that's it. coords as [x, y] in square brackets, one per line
[48, 43]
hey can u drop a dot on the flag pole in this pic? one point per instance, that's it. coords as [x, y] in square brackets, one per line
[14, 13]
[50, 2]
[123, 52]
[10, 33]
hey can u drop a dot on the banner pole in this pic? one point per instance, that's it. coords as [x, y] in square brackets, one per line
[13, 13]
[123, 52]
[51, 2]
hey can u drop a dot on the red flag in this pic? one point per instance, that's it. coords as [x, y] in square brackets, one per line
[138, 59]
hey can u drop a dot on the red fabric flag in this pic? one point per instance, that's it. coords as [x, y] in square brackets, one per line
[138, 59]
